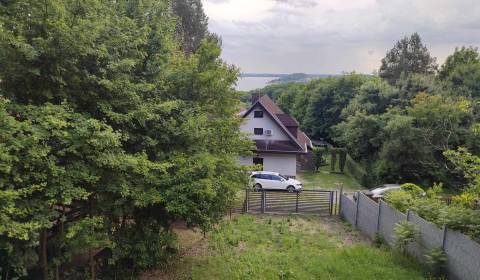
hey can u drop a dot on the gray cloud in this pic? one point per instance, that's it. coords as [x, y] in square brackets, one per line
[331, 36]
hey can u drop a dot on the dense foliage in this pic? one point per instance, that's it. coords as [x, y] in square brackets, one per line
[110, 133]
[398, 129]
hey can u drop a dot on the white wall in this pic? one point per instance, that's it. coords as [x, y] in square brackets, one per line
[266, 122]
[285, 164]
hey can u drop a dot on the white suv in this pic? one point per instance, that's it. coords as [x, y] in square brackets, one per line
[274, 181]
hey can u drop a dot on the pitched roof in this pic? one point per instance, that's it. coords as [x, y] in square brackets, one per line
[287, 120]
[284, 120]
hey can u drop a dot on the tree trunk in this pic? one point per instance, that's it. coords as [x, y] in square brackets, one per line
[43, 254]
[92, 264]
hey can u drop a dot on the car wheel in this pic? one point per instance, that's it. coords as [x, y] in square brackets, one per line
[290, 189]
[257, 187]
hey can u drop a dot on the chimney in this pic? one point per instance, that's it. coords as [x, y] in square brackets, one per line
[255, 96]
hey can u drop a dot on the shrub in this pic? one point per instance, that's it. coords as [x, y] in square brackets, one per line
[415, 190]
[436, 261]
[400, 199]
[342, 158]
[405, 233]
[319, 159]
[333, 159]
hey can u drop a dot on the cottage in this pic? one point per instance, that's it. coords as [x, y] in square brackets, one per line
[280, 145]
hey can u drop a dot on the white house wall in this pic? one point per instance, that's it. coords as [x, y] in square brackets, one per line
[285, 164]
[266, 122]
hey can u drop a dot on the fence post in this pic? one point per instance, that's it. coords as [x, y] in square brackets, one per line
[356, 212]
[340, 200]
[331, 202]
[408, 215]
[296, 203]
[263, 201]
[246, 200]
[444, 237]
[379, 215]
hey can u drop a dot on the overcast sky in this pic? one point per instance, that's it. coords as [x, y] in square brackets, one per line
[332, 36]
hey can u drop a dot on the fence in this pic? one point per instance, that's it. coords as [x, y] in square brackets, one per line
[463, 254]
[306, 201]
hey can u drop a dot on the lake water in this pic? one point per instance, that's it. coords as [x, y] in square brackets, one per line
[251, 83]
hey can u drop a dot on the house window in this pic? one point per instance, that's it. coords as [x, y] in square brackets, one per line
[258, 131]
[258, 161]
[258, 114]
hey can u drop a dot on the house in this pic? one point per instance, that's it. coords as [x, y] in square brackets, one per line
[280, 145]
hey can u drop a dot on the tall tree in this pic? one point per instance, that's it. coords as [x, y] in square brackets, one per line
[192, 25]
[408, 56]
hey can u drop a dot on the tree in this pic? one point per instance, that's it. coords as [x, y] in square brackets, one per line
[361, 134]
[118, 123]
[461, 56]
[373, 97]
[461, 72]
[192, 23]
[408, 56]
[327, 98]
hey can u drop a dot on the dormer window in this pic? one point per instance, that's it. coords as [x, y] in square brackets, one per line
[258, 131]
[258, 114]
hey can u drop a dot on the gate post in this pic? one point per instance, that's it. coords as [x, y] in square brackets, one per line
[340, 200]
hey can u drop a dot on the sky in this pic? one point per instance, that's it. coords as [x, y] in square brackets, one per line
[335, 36]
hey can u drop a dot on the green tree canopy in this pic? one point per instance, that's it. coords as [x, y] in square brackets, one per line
[408, 56]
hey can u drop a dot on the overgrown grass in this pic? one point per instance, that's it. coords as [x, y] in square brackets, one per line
[269, 247]
[323, 179]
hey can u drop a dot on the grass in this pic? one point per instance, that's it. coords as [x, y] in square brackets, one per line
[293, 247]
[324, 179]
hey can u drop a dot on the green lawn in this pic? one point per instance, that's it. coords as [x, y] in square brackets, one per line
[323, 179]
[289, 247]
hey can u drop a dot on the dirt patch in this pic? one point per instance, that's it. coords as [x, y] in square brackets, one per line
[192, 244]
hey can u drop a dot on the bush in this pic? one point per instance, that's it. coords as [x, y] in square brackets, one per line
[413, 189]
[405, 233]
[400, 199]
[436, 261]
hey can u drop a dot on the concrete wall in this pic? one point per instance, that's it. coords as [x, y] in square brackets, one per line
[266, 122]
[463, 254]
[367, 216]
[285, 164]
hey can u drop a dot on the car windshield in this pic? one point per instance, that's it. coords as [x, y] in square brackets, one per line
[283, 176]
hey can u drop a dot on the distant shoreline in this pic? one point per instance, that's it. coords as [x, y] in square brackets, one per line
[281, 75]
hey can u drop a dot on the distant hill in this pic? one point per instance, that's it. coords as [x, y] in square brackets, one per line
[286, 78]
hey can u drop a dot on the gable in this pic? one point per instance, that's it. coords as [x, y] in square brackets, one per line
[266, 122]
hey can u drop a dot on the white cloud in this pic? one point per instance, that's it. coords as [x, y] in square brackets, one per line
[331, 36]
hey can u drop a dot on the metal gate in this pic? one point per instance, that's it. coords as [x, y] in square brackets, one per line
[306, 201]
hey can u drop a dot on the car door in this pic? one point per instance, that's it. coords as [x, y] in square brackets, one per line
[277, 182]
[267, 182]
[263, 180]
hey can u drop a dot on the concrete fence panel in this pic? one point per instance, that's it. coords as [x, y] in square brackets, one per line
[389, 217]
[367, 218]
[430, 237]
[463, 256]
[348, 209]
